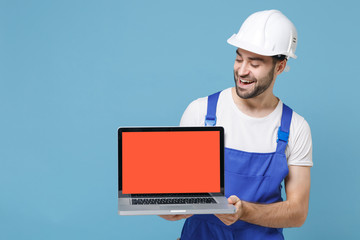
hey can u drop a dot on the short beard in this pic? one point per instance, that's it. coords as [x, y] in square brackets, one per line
[259, 89]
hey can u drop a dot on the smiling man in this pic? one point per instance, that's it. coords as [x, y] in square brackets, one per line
[249, 86]
[266, 141]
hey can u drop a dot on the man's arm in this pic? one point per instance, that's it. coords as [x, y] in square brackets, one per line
[290, 213]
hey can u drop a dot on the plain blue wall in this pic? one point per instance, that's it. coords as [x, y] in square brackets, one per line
[71, 72]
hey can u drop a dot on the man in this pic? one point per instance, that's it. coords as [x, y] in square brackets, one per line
[266, 142]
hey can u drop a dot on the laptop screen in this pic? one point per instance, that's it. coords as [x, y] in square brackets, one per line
[170, 161]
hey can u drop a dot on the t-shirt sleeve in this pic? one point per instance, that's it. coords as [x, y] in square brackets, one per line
[191, 116]
[299, 151]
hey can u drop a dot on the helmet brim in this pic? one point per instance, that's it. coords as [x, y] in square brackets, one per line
[233, 40]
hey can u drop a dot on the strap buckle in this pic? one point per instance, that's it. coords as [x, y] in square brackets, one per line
[210, 122]
[283, 136]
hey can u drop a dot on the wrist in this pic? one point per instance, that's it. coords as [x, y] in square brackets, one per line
[241, 210]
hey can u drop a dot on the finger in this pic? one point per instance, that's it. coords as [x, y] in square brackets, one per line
[167, 217]
[181, 216]
[223, 217]
[220, 215]
[174, 217]
[238, 204]
[233, 199]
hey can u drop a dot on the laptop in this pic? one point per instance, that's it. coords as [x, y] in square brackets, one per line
[171, 170]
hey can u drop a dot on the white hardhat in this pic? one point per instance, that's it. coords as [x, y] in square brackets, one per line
[267, 33]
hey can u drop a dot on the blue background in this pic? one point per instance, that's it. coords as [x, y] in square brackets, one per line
[72, 72]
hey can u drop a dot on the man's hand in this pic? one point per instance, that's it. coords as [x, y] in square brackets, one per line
[229, 219]
[290, 213]
[175, 217]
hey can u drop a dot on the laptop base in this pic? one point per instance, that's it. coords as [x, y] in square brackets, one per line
[221, 207]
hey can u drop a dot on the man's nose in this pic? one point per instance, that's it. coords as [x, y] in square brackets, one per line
[243, 70]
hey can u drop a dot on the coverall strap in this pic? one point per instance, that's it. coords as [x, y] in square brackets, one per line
[284, 129]
[210, 119]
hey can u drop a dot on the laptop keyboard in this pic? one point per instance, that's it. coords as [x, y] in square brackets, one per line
[191, 198]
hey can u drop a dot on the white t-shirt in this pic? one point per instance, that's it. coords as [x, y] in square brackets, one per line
[250, 134]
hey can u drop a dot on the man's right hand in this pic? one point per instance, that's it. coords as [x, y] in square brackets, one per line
[175, 217]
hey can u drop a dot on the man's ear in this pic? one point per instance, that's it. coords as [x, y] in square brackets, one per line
[280, 66]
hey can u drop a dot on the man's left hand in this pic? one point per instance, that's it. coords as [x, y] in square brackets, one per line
[229, 219]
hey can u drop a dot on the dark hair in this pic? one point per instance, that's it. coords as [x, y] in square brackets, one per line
[278, 58]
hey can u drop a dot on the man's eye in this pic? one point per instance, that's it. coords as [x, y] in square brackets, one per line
[239, 60]
[254, 65]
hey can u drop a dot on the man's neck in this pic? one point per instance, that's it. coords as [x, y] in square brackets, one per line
[257, 107]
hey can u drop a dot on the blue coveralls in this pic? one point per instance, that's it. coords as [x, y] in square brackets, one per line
[253, 177]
